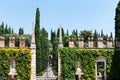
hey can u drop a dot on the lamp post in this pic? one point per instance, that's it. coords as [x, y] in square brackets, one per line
[79, 73]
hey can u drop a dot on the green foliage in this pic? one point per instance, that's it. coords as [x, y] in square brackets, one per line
[27, 39]
[66, 40]
[95, 36]
[117, 21]
[23, 63]
[58, 32]
[85, 34]
[115, 70]
[4, 29]
[44, 49]
[55, 55]
[38, 45]
[70, 56]
[21, 31]
[53, 35]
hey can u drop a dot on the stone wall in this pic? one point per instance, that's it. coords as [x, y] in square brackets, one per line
[12, 42]
[90, 43]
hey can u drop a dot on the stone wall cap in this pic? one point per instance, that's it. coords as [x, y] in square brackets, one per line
[22, 38]
[2, 38]
[100, 39]
[11, 37]
[80, 39]
[90, 38]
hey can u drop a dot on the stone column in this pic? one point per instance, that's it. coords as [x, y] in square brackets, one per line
[71, 42]
[80, 42]
[22, 42]
[100, 42]
[109, 42]
[2, 41]
[60, 45]
[90, 42]
[11, 41]
[33, 53]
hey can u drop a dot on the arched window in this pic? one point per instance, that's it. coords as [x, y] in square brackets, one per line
[100, 68]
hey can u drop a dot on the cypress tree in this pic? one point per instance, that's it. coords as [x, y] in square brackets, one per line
[12, 31]
[67, 32]
[117, 22]
[6, 29]
[9, 30]
[21, 31]
[2, 28]
[111, 36]
[37, 40]
[102, 35]
[95, 36]
[53, 35]
[55, 55]
[44, 48]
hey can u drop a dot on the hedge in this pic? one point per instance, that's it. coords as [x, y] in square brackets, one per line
[70, 56]
[23, 62]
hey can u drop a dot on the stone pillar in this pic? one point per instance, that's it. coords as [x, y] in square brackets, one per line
[109, 42]
[80, 42]
[33, 53]
[22, 42]
[11, 41]
[71, 42]
[90, 42]
[100, 42]
[60, 45]
[2, 41]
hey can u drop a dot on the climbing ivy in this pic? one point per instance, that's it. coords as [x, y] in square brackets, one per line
[23, 63]
[70, 56]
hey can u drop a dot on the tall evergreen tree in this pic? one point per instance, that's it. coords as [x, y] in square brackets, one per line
[9, 30]
[6, 29]
[2, 28]
[67, 32]
[95, 36]
[12, 31]
[111, 36]
[37, 40]
[102, 35]
[44, 48]
[117, 22]
[58, 32]
[55, 55]
[76, 33]
[53, 35]
[21, 31]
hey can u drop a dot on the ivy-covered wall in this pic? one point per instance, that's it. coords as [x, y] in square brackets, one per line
[23, 63]
[70, 56]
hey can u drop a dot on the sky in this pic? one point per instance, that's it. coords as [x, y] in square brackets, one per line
[71, 14]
